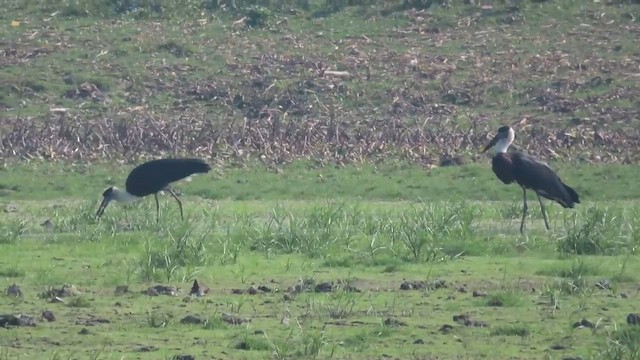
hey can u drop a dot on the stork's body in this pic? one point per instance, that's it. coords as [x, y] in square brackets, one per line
[529, 173]
[152, 177]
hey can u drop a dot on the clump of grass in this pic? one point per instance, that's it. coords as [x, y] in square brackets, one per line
[251, 343]
[312, 344]
[11, 231]
[599, 232]
[215, 322]
[573, 278]
[623, 344]
[572, 286]
[339, 305]
[312, 233]
[12, 272]
[425, 231]
[578, 268]
[511, 330]
[183, 248]
[157, 319]
[504, 298]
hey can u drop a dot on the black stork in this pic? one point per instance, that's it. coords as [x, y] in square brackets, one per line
[529, 173]
[152, 177]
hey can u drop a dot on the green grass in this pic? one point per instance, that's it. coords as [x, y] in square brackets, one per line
[304, 180]
[319, 180]
[372, 244]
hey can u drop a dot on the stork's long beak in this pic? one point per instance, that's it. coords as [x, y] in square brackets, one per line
[103, 205]
[491, 143]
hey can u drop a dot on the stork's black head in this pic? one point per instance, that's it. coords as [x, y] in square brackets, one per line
[107, 196]
[503, 138]
[504, 129]
[108, 192]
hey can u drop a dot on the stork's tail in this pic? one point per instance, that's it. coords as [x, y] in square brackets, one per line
[199, 166]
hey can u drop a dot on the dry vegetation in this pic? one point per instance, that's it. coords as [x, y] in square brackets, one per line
[419, 84]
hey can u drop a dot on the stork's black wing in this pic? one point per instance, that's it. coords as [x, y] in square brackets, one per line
[155, 175]
[539, 177]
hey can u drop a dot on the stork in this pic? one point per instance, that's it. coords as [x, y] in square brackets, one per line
[152, 177]
[529, 173]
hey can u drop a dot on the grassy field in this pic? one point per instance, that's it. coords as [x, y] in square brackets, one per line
[327, 228]
[331, 263]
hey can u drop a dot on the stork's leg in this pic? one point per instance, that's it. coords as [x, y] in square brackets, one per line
[544, 212]
[524, 209]
[157, 208]
[178, 200]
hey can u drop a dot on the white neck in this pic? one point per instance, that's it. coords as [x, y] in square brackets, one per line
[502, 146]
[123, 196]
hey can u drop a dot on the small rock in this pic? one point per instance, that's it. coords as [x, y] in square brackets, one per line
[14, 291]
[288, 297]
[92, 321]
[84, 331]
[161, 290]
[264, 288]
[351, 288]
[10, 208]
[391, 322]
[198, 288]
[191, 320]
[584, 323]
[252, 290]
[419, 342]
[446, 328]
[460, 318]
[324, 287]
[258, 332]
[624, 295]
[476, 323]
[66, 290]
[147, 348]
[183, 357]
[633, 319]
[121, 290]
[558, 347]
[48, 224]
[242, 345]
[413, 285]
[437, 284]
[467, 321]
[234, 320]
[497, 302]
[48, 315]
[462, 289]
[477, 293]
[16, 320]
[603, 284]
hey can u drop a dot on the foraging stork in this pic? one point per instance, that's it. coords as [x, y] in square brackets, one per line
[152, 177]
[529, 173]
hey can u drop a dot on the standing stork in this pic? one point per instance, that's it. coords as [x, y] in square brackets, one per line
[529, 173]
[152, 177]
